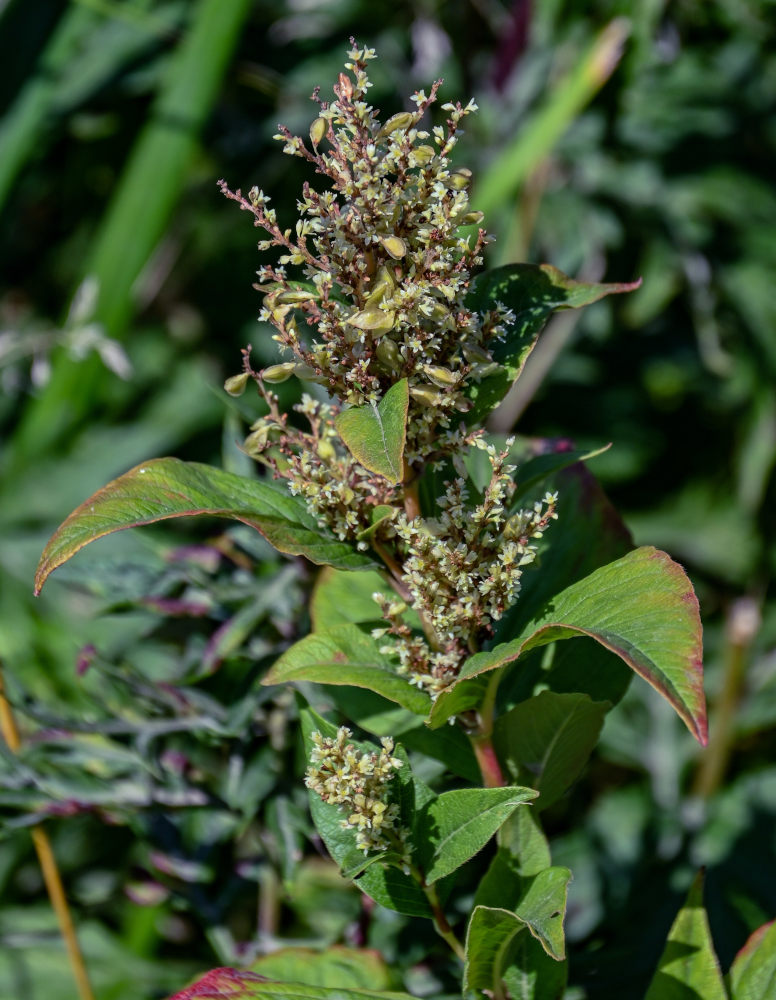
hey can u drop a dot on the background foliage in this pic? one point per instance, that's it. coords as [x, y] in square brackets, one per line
[612, 148]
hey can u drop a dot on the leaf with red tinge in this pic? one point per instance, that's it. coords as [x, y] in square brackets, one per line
[168, 487]
[231, 984]
[220, 983]
[643, 608]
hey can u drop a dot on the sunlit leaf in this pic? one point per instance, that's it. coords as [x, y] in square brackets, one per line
[375, 434]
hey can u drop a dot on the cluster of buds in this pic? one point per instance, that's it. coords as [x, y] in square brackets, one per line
[358, 782]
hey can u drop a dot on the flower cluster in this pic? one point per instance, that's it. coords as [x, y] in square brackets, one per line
[462, 570]
[358, 782]
[386, 264]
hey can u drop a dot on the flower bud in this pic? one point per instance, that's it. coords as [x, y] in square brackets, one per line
[388, 354]
[476, 353]
[326, 450]
[472, 218]
[279, 373]
[441, 376]
[377, 320]
[421, 156]
[257, 440]
[293, 296]
[394, 245]
[403, 120]
[426, 396]
[235, 385]
[463, 404]
[318, 130]
[459, 179]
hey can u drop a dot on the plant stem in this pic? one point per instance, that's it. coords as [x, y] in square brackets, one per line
[482, 742]
[48, 864]
[411, 499]
[443, 928]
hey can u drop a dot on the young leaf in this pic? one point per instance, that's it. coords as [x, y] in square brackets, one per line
[643, 608]
[688, 965]
[545, 741]
[753, 972]
[346, 655]
[490, 957]
[168, 487]
[454, 826]
[533, 292]
[375, 434]
[233, 984]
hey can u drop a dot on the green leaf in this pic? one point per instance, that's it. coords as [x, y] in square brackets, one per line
[753, 972]
[533, 472]
[489, 953]
[388, 886]
[346, 655]
[545, 741]
[240, 985]
[375, 434]
[168, 487]
[335, 967]
[688, 966]
[533, 292]
[523, 852]
[643, 608]
[454, 826]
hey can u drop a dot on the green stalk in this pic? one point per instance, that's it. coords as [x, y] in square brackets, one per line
[482, 737]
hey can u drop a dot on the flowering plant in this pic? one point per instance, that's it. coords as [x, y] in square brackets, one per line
[432, 600]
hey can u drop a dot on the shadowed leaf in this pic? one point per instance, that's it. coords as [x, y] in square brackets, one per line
[375, 435]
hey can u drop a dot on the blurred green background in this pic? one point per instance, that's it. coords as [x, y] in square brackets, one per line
[614, 140]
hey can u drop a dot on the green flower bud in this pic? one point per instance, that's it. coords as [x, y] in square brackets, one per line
[279, 373]
[256, 442]
[421, 156]
[388, 354]
[442, 377]
[383, 283]
[318, 130]
[459, 179]
[235, 385]
[463, 404]
[394, 245]
[475, 353]
[426, 396]
[376, 320]
[472, 218]
[293, 296]
[326, 450]
[403, 120]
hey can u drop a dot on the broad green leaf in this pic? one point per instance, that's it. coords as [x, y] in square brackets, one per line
[530, 973]
[375, 434]
[386, 885]
[336, 966]
[688, 966]
[167, 487]
[546, 741]
[346, 655]
[454, 826]
[533, 292]
[643, 608]
[753, 972]
[243, 985]
[489, 953]
[523, 852]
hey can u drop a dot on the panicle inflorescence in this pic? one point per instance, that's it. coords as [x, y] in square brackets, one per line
[358, 782]
[385, 262]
